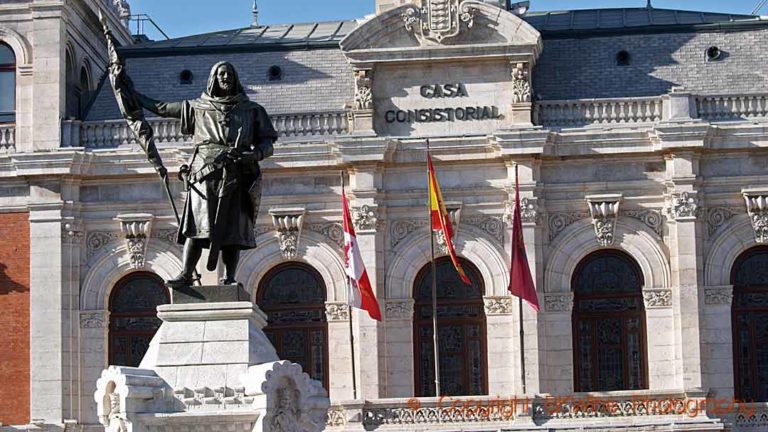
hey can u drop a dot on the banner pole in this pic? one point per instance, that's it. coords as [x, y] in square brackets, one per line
[519, 298]
[434, 283]
[349, 308]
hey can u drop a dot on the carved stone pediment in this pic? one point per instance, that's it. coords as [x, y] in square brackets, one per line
[288, 223]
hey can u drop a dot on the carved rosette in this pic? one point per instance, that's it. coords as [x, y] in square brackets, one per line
[558, 302]
[288, 223]
[498, 305]
[92, 319]
[604, 209]
[136, 229]
[521, 83]
[757, 207]
[438, 20]
[336, 312]
[364, 218]
[684, 206]
[399, 309]
[657, 298]
[718, 295]
[363, 94]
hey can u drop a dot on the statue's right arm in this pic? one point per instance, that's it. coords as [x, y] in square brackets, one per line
[163, 109]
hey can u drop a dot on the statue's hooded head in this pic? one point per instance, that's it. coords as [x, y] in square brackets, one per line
[223, 84]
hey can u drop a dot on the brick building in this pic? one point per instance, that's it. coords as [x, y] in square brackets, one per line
[640, 136]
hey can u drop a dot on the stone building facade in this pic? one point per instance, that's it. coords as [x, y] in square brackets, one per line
[639, 136]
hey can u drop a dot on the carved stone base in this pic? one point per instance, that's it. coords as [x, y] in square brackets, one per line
[211, 366]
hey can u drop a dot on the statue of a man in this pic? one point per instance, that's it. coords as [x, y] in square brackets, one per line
[231, 135]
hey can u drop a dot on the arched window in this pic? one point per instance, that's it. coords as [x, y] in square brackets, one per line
[608, 324]
[72, 90]
[85, 92]
[293, 297]
[750, 324]
[460, 327]
[7, 84]
[133, 316]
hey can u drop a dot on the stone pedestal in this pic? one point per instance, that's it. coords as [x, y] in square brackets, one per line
[210, 365]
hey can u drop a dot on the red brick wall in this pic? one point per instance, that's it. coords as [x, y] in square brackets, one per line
[14, 318]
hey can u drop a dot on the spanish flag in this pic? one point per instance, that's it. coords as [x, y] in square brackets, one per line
[440, 220]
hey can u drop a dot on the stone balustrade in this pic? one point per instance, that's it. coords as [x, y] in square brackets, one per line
[734, 107]
[115, 133]
[582, 112]
[7, 138]
[749, 416]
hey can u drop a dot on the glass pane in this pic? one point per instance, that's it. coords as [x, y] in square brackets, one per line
[7, 92]
[292, 285]
[6, 55]
[318, 355]
[753, 270]
[607, 273]
[143, 293]
[449, 285]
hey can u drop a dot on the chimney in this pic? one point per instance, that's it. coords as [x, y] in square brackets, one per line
[255, 12]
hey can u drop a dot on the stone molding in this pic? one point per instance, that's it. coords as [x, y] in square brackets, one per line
[288, 223]
[337, 312]
[498, 305]
[718, 295]
[657, 298]
[604, 210]
[399, 309]
[757, 207]
[92, 319]
[558, 302]
[365, 218]
[136, 229]
[684, 206]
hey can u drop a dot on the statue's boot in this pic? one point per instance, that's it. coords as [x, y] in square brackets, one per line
[230, 256]
[180, 281]
[192, 252]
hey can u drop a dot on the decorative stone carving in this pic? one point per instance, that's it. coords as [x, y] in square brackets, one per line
[651, 218]
[288, 223]
[657, 298]
[684, 206]
[718, 295]
[498, 305]
[491, 225]
[364, 217]
[331, 230]
[717, 217]
[136, 229]
[604, 209]
[528, 211]
[401, 228]
[336, 417]
[96, 240]
[363, 84]
[521, 84]
[92, 319]
[560, 221]
[438, 20]
[300, 403]
[337, 312]
[757, 207]
[454, 215]
[399, 309]
[558, 302]
[170, 235]
[72, 231]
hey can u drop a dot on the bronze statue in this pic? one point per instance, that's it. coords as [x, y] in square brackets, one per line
[231, 135]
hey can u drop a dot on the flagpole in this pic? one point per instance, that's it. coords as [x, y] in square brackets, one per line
[349, 306]
[434, 286]
[520, 298]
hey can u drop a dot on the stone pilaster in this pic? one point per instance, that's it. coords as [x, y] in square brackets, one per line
[557, 362]
[717, 334]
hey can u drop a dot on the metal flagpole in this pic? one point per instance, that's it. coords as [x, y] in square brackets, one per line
[434, 283]
[349, 306]
[519, 298]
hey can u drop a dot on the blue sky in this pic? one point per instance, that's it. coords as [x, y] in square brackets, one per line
[185, 17]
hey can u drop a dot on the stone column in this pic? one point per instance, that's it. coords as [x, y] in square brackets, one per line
[685, 246]
[717, 343]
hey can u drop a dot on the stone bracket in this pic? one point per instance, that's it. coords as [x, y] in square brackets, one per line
[454, 215]
[288, 223]
[137, 229]
[604, 210]
[757, 207]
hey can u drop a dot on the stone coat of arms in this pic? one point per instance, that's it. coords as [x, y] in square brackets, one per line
[437, 20]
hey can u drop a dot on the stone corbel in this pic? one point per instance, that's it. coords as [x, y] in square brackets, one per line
[521, 94]
[757, 207]
[454, 215]
[362, 108]
[288, 223]
[604, 210]
[136, 228]
[684, 206]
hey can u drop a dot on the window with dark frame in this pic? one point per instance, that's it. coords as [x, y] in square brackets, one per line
[461, 325]
[749, 312]
[609, 332]
[7, 84]
[293, 297]
[133, 317]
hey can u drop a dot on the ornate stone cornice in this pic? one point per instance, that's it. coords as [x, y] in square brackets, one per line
[92, 319]
[718, 295]
[684, 206]
[288, 223]
[398, 309]
[136, 228]
[335, 312]
[498, 305]
[757, 207]
[558, 302]
[604, 209]
[657, 298]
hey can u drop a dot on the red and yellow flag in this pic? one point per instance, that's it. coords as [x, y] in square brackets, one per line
[440, 220]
